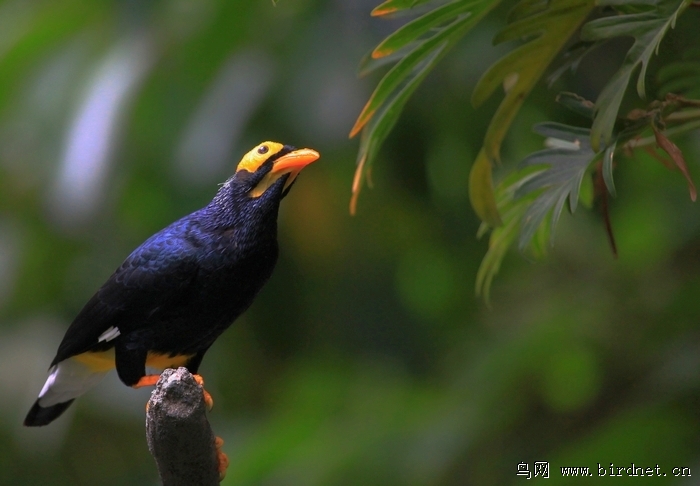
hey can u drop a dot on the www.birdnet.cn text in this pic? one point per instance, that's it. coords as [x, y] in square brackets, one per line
[542, 469]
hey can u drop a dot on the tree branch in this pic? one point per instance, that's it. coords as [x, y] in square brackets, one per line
[178, 432]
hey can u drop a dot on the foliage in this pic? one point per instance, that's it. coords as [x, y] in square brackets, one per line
[420, 44]
[545, 29]
[647, 22]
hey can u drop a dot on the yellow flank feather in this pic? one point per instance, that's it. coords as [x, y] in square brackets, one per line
[98, 362]
[255, 158]
[163, 361]
[102, 361]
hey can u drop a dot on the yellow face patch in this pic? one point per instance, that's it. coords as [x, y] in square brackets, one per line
[256, 157]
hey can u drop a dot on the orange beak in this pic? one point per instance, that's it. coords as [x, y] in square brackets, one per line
[294, 161]
[291, 163]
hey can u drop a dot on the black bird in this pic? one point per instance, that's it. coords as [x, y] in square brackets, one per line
[178, 291]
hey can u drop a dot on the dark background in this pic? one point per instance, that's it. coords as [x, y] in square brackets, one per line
[367, 359]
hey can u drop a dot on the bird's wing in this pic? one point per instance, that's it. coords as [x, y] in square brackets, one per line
[155, 274]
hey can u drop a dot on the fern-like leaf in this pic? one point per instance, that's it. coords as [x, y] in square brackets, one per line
[512, 210]
[648, 28]
[568, 158]
[546, 27]
[417, 46]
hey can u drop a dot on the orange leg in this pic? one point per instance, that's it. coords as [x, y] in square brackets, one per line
[208, 400]
[221, 458]
[147, 380]
[151, 380]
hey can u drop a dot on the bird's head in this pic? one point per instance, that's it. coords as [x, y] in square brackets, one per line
[272, 166]
[251, 197]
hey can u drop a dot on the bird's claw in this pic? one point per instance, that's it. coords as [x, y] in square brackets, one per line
[146, 380]
[208, 400]
[221, 458]
[151, 380]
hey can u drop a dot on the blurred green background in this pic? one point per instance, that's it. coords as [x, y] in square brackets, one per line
[366, 360]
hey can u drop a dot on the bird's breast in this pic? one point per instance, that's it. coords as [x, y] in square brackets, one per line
[223, 288]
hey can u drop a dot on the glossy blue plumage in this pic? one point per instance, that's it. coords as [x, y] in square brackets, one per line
[175, 293]
[184, 285]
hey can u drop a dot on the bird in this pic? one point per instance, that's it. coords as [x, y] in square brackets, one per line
[175, 294]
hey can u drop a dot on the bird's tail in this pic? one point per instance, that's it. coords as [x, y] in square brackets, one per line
[39, 415]
[67, 380]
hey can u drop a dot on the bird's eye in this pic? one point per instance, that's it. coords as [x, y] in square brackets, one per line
[263, 149]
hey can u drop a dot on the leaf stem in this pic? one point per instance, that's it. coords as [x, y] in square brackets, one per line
[684, 115]
[646, 141]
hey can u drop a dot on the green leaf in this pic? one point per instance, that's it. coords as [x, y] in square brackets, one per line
[503, 236]
[414, 30]
[404, 72]
[577, 104]
[547, 30]
[384, 119]
[626, 3]
[587, 193]
[648, 29]
[404, 69]
[552, 28]
[526, 8]
[481, 194]
[417, 59]
[500, 241]
[394, 6]
[567, 164]
[608, 168]
[369, 63]
[571, 59]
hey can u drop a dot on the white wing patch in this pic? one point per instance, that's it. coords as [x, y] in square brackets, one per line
[49, 382]
[112, 333]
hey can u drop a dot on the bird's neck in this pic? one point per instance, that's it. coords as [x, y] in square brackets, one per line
[250, 222]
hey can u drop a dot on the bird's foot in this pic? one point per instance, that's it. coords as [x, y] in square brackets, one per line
[151, 380]
[208, 400]
[221, 458]
[146, 380]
